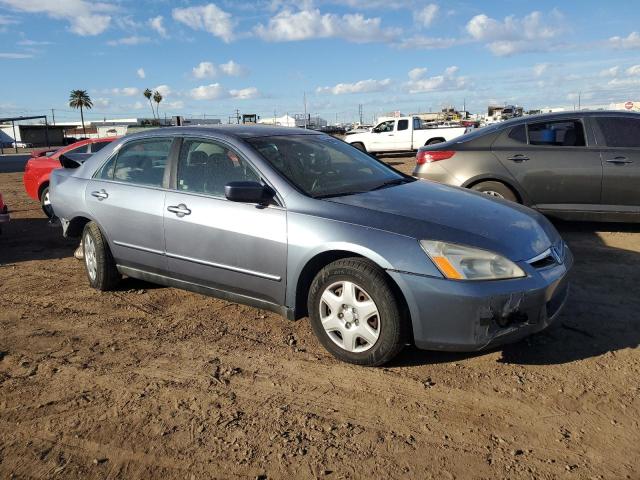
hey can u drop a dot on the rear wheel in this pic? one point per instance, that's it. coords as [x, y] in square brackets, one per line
[355, 314]
[101, 267]
[45, 202]
[496, 189]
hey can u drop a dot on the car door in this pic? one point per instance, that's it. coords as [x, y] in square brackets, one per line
[619, 139]
[402, 139]
[555, 162]
[126, 198]
[382, 136]
[234, 247]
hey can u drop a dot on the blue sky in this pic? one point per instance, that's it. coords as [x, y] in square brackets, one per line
[262, 57]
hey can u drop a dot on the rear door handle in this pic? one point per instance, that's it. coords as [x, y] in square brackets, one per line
[619, 160]
[518, 158]
[100, 194]
[180, 210]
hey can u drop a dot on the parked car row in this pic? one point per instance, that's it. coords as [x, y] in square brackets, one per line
[574, 165]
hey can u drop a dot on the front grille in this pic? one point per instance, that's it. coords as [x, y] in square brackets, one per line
[545, 262]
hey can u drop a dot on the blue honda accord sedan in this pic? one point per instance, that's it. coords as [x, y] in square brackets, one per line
[303, 224]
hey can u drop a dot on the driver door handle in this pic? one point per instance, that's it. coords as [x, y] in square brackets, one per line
[180, 210]
[518, 158]
[619, 160]
[100, 194]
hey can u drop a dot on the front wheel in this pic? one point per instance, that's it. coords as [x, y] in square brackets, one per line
[360, 146]
[101, 267]
[355, 314]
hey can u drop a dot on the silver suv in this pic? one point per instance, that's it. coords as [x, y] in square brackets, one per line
[303, 224]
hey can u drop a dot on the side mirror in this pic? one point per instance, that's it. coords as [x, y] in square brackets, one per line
[248, 192]
[67, 162]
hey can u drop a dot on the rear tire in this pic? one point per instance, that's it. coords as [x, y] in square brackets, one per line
[99, 263]
[360, 146]
[45, 202]
[355, 314]
[496, 189]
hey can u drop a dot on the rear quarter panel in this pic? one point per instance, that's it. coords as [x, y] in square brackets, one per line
[67, 193]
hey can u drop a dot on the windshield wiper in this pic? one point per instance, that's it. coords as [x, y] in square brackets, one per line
[391, 183]
[339, 194]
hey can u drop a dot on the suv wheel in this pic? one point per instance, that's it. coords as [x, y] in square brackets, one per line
[101, 267]
[355, 314]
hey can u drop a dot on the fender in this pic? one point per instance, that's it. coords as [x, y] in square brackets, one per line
[509, 182]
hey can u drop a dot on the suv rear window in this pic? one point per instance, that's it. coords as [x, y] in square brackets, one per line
[565, 133]
[620, 131]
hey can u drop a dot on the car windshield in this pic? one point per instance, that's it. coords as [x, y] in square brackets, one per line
[322, 166]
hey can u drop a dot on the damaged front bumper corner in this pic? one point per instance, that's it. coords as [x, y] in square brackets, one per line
[470, 316]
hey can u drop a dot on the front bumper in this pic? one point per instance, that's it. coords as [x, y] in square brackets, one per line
[471, 316]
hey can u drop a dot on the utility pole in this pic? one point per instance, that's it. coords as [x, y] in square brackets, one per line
[360, 112]
[579, 101]
[53, 116]
[305, 109]
[238, 116]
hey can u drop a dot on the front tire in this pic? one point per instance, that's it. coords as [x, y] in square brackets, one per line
[355, 314]
[45, 202]
[100, 265]
[360, 146]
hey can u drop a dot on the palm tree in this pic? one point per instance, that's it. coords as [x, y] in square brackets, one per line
[80, 99]
[157, 97]
[148, 94]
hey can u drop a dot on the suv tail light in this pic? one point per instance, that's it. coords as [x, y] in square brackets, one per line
[429, 156]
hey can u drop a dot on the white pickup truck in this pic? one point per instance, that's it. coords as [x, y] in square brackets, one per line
[403, 134]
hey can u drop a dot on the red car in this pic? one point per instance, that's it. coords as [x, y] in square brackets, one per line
[38, 168]
[4, 213]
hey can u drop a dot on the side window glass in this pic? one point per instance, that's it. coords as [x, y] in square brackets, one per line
[519, 134]
[106, 171]
[96, 147]
[620, 132]
[82, 149]
[143, 162]
[206, 167]
[569, 133]
[403, 125]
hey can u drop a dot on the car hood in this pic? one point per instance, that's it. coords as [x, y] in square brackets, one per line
[432, 211]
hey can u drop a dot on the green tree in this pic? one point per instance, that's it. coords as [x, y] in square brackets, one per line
[148, 94]
[157, 97]
[80, 99]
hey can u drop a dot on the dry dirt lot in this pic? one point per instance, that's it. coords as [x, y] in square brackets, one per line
[150, 382]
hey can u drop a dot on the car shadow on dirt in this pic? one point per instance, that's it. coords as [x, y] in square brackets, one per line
[25, 239]
[601, 314]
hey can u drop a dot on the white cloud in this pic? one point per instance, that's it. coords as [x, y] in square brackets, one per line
[157, 24]
[177, 104]
[7, 20]
[32, 43]
[363, 86]
[610, 72]
[140, 72]
[132, 40]
[633, 71]
[631, 41]
[164, 90]
[426, 15]
[447, 81]
[212, 91]
[533, 32]
[428, 43]
[85, 18]
[289, 26]
[245, 93]
[139, 105]
[232, 69]
[540, 69]
[101, 102]
[126, 91]
[209, 18]
[15, 56]
[204, 70]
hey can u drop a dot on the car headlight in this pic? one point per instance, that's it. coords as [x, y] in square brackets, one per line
[458, 262]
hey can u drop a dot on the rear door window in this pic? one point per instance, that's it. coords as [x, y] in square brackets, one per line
[565, 133]
[620, 131]
[519, 134]
[403, 125]
[140, 163]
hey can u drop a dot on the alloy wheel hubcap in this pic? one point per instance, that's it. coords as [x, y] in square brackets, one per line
[493, 193]
[90, 257]
[349, 316]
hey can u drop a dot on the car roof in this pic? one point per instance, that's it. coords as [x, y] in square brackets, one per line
[567, 115]
[229, 131]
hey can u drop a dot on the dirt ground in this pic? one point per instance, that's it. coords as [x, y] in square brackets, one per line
[151, 382]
